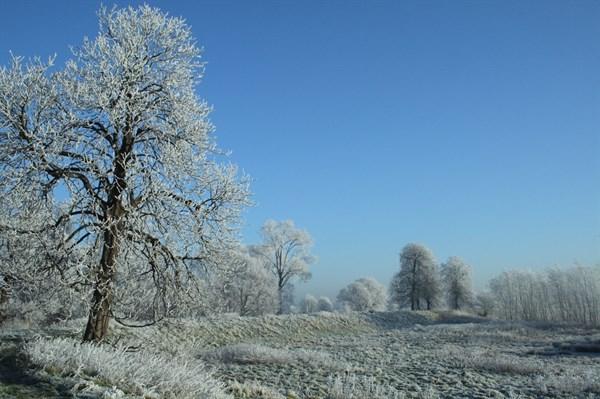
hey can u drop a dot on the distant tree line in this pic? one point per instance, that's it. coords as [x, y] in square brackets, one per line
[259, 279]
[563, 295]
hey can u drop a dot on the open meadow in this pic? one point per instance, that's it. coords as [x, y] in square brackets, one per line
[326, 355]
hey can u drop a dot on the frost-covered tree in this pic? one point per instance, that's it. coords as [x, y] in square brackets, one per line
[115, 153]
[417, 283]
[241, 284]
[324, 304]
[484, 303]
[565, 295]
[309, 304]
[29, 291]
[286, 299]
[432, 288]
[285, 251]
[362, 295]
[456, 278]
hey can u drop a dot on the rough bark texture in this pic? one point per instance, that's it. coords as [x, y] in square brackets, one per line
[98, 320]
[100, 311]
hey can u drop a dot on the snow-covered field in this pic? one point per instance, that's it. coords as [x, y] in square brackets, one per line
[326, 355]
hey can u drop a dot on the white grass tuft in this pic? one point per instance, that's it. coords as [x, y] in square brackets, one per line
[138, 373]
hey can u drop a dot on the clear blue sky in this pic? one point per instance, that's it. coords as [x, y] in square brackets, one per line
[470, 126]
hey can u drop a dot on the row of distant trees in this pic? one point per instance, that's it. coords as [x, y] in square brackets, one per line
[259, 279]
[570, 295]
[564, 295]
[420, 284]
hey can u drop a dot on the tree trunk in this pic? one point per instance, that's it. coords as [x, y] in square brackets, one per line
[97, 325]
[413, 288]
[280, 293]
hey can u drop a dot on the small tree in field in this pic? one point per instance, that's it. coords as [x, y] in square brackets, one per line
[417, 284]
[242, 285]
[456, 276]
[325, 304]
[484, 304]
[115, 155]
[285, 251]
[362, 295]
[309, 304]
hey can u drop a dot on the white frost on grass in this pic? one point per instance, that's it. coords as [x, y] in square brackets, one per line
[481, 359]
[571, 381]
[350, 386]
[140, 373]
[245, 353]
[253, 389]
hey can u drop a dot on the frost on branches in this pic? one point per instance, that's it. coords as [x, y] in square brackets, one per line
[417, 284]
[364, 294]
[242, 285]
[109, 171]
[285, 252]
[456, 278]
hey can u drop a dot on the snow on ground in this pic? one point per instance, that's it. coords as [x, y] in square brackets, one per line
[370, 355]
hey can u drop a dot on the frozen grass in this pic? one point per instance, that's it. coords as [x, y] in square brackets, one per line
[492, 361]
[285, 329]
[350, 386]
[244, 353]
[388, 355]
[139, 373]
[572, 382]
[249, 354]
[253, 390]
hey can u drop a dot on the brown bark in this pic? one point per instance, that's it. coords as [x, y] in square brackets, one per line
[280, 297]
[100, 311]
[98, 320]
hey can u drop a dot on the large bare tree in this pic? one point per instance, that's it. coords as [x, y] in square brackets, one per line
[115, 154]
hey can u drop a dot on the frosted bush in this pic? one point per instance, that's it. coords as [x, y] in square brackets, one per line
[309, 304]
[138, 373]
[324, 304]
